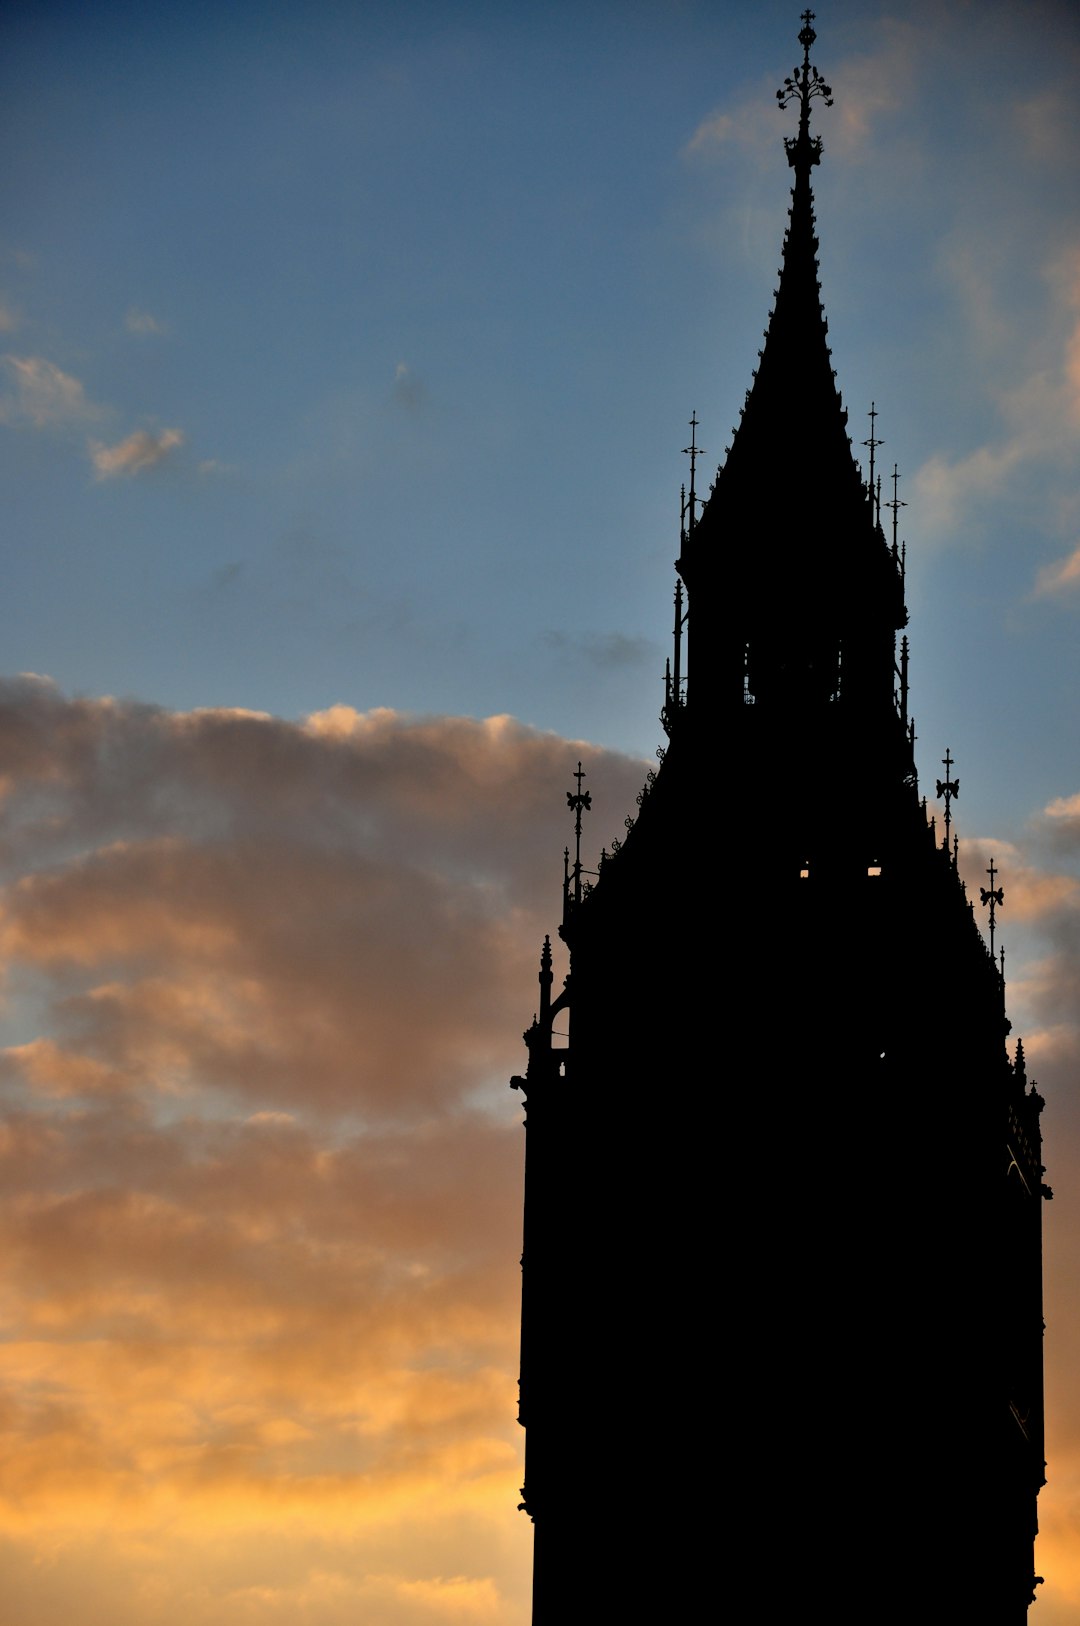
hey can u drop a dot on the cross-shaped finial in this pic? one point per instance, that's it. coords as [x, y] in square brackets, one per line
[693, 451]
[578, 802]
[896, 505]
[948, 788]
[873, 444]
[995, 897]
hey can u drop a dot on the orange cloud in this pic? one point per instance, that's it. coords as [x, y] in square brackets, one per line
[1034, 894]
[42, 395]
[260, 1173]
[141, 450]
[1056, 577]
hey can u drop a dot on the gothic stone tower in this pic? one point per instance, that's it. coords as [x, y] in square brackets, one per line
[781, 1303]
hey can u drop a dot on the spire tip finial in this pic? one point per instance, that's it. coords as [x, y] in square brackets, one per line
[804, 150]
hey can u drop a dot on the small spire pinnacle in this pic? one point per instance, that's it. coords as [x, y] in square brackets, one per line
[995, 897]
[804, 150]
[896, 504]
[874, 443]
[578, 802]
[545, 980]
[693, 451]
[948, 788]
[680, 622]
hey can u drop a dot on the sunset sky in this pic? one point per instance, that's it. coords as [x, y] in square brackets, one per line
[346, 358]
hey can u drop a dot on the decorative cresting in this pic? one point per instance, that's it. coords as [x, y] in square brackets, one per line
[804, 150]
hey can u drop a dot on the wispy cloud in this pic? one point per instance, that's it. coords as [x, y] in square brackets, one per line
[142, 323]
[1059, 577]
[40, 395]
[409, 390]
[1064, 807]
[720, 129]
[750, 126]
[1048, 124]
[141, 450]
[876, 85]
[1040, 414]
[603, 649]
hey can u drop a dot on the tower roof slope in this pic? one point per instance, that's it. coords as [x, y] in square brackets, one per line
[794, 423]
[790, 526]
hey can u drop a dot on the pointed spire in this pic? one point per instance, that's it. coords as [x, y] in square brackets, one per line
[546, 977]
[793, 421]
[787, 546]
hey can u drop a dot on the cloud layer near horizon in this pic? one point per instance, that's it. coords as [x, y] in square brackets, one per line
[260, 1174]
[259, 1170]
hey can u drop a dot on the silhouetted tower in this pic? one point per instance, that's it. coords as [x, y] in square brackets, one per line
[782, 1305]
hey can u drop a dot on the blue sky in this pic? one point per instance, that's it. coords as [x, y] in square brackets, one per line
[412, 306]
[346, 358]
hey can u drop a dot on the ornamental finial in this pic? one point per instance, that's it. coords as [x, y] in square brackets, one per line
[579, 801]
[995, 897]
[804, 150]
[947, 789]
